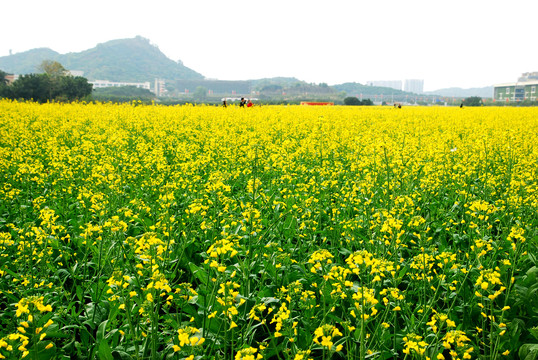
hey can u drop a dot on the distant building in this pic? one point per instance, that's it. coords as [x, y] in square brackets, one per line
[160, 87]
[75, 72]
[220, 87]
[523, 89]
[11, 78]
[394, 84]
[414, 86]
[98, 84]
[529, 76]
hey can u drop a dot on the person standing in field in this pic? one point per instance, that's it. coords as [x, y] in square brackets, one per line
[242, 102]
[250, 104]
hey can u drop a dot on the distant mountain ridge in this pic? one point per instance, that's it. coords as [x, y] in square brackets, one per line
[484, 92]
[27, 62]
[126, 60]
[356, 89]
[137, 60]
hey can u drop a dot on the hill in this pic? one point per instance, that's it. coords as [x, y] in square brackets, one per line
[279, 81]
[137, 60]
[27, 62]
[484, 92]
[354, 89]
[128, 60]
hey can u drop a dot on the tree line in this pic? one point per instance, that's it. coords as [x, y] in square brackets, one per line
[355, 101]
[53, 84]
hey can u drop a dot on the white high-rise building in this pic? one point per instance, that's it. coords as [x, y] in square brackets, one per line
[160, 87]
[414, 85]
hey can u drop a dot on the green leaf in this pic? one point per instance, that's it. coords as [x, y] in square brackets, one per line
[344, 252]
[532, 275]
[122, 355]
[101, 331]
[80, 293]
[528, 352]
[269, 300]
[44, 355]
[534, 332]
[532, 257]
[199, 273]
[372, 355]
[95, 314]
[105, 352]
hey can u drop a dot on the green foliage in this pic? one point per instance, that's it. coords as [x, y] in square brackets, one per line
[354, 101]
[280, 81]
[4, 89]
[3, 80]
[5, 92]
[43, 88]
[123, 94]
[52, 68]
[528, 352]
[200, 93]
[473, 101]
[35, 87]
[74, 88]
[291, 89]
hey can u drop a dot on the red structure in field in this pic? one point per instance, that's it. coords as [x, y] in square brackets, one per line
[317, 103]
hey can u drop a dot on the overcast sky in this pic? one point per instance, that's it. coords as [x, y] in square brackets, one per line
[456, 43]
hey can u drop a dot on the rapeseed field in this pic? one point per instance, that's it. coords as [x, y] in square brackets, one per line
[275, 232]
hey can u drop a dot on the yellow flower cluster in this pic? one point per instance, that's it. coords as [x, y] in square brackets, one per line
[248, 354]
[458, 343]
[229, 299]
[31, 330]
[439, 319]
[414, 344]
[282, 315]
[188, 336]
[487, 282]
[325, 336]
[320, 258]
[25, 305]
[365, 302]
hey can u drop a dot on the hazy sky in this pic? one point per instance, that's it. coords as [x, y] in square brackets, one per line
[463, 43]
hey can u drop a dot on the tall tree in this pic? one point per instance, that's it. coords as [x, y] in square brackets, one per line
[5, 90]
[473, 101]
[352, 100]
[200, 93]
[52, 68]
[74, 88]
[55, 71]
[32, 87]
[3, 80]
